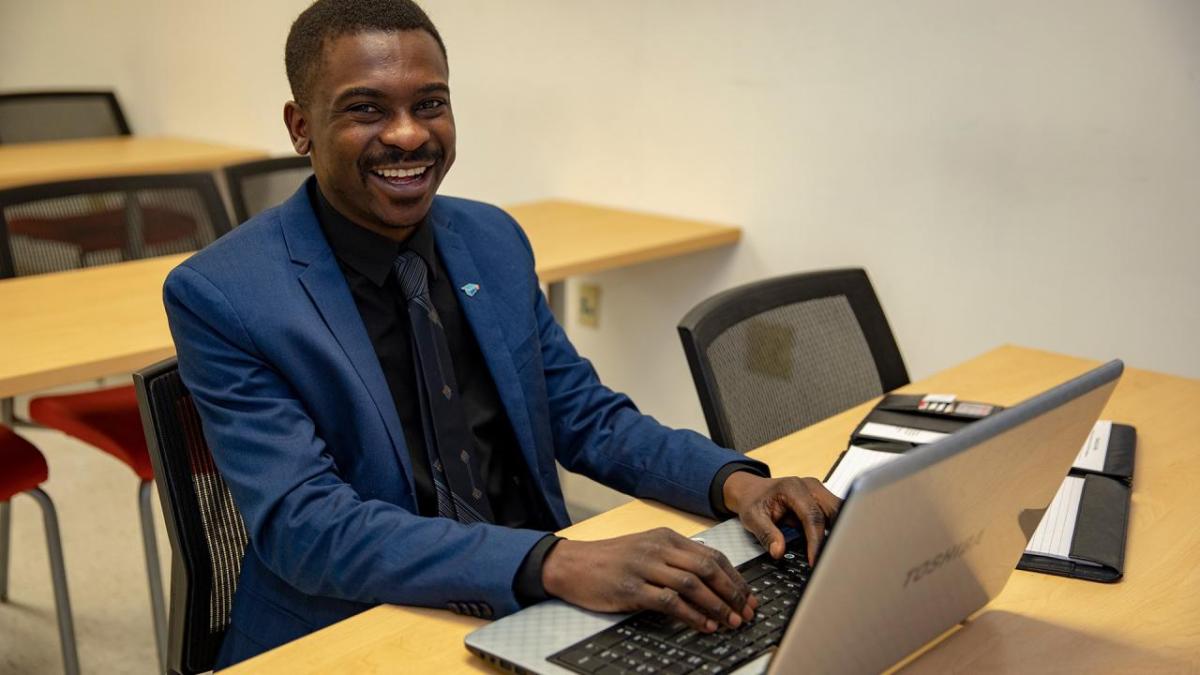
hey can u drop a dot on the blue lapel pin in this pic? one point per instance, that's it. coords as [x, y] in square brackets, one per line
[470, 289]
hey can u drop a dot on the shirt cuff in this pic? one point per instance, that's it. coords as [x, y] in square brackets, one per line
[527, 584]
[716, 490]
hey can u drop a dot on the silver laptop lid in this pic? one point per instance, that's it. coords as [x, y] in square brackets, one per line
[926, 540]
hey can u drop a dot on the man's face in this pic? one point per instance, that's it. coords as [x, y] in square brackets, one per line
[379, 127]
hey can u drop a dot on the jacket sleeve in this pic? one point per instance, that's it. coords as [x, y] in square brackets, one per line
[601, 434]
[307, 524]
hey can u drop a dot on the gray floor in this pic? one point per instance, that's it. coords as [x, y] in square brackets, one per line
[96, 498]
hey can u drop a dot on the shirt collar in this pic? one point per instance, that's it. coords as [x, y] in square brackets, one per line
[366, 252]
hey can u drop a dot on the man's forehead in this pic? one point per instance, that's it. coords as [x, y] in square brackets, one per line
[360, 53]
[370, 45]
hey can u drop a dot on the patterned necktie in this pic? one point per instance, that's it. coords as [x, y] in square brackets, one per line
[452, 460]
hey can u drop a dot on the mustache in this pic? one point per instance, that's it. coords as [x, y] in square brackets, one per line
[393, 156]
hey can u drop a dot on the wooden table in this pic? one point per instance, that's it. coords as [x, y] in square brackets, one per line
[1149, 622]
[75, 326]
[79, 325]
[570, 238]
[27, 163]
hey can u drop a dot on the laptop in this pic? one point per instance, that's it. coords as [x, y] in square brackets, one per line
[920, 544]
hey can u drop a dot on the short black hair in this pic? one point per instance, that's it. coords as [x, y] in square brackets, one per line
[326, 20]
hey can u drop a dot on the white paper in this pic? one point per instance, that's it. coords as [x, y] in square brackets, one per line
[856, 461]
[890, 432]
[1054, 534]
[1095, 448]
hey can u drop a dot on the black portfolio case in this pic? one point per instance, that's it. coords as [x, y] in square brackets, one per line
[1098, 543]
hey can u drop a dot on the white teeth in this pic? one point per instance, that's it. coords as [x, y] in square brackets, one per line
[401, 173]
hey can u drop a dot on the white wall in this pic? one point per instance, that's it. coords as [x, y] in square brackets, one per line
[1007, 170]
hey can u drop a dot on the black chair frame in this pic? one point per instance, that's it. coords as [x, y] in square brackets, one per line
[110, 96]
[203, 183]
[708, 320]
[176, 443]
[237, 173]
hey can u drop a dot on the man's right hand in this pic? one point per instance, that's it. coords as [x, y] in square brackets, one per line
[659, 570]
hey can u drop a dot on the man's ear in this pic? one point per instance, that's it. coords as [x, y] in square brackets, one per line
[296, 121]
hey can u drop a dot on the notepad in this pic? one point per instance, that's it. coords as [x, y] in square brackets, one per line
[891, 432]
[854, 461]
[1056, 532]
[1095, 449]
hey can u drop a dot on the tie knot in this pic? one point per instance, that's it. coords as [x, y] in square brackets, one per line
[409, 270]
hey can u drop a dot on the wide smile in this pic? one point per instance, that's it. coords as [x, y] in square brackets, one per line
[403, 182]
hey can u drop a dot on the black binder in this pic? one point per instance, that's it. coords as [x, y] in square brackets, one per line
[1101, 526]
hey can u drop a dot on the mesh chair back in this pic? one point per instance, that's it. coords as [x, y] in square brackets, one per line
[60, 226]
[60, 115]
[208, 536]
[257, 186]
[773, 357]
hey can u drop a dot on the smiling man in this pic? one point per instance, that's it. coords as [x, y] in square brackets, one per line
[386, 392]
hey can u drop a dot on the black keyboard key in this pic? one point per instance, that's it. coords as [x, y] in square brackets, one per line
[720, 651]
[686, 637]
[756, 571]
[581, 661]
[628, 662]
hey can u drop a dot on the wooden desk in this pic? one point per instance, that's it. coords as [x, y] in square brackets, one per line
[1148, 622]
[84, 324]
[74, 326]
[570, 238]
[27, 163]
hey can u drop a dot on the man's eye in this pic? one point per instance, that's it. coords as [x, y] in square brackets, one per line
[365, 108]
[431, 104]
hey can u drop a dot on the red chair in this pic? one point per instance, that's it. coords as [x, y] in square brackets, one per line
[108, 419]
[22, 470]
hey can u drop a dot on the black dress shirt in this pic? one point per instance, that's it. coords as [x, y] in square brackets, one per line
[366, 261]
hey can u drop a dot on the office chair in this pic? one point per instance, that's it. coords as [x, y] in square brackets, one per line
[208, 536]
[772, 357]
[22, 470]
[60, 115]
[257, 186]
[60, 226]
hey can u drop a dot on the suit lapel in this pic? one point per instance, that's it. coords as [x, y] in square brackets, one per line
[322, 278]
[485, 318]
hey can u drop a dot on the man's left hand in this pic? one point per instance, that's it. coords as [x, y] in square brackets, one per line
[762, 502]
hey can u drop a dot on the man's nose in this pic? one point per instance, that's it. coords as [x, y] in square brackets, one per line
[406, 132]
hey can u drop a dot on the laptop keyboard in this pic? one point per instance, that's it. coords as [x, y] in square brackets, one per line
[649, 642]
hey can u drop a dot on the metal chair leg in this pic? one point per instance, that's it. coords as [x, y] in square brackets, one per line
[5, 529]
[8, 411]
[58, 575]
[153, 571]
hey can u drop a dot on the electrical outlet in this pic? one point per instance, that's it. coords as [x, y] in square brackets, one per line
[589, 305]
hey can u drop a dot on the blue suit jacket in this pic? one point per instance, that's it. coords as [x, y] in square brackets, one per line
[305, 431]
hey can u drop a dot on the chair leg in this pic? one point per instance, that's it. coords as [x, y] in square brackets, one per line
[58, 575]
[5, 528]
[153, 571]
[8, 413]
